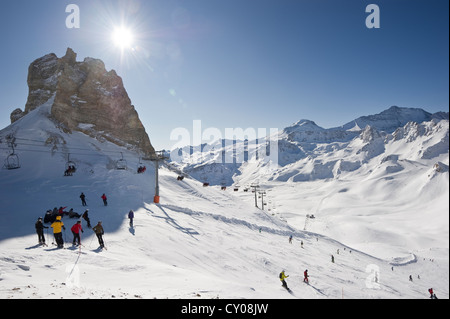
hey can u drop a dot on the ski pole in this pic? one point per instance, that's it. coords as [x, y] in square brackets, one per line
[91, 241]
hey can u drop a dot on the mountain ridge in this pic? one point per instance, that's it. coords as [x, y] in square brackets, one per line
[304, 143]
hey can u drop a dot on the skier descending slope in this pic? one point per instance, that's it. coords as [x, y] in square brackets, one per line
[283, 282]
[305, 275]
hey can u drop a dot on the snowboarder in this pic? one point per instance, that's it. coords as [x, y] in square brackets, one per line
[83, 199]
[305, 275]
[76, 233]
[57, 226]
[85, 216]
[131, 216]
[332, 259]
[282, 278]
[410, 278]
[105, 200]
[99, 232]
[40, 231]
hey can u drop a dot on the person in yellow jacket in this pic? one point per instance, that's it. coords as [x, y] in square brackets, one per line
[58, 226]
[282, 278]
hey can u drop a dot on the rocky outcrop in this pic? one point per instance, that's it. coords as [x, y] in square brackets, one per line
[87, 98]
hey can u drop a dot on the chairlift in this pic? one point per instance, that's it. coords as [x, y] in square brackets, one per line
[12, 162]
[141, 167]
[121, 164]
[71, 167]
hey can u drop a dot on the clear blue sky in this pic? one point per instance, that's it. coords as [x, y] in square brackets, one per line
[242, 63]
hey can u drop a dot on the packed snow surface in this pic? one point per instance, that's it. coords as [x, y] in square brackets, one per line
[381, 227]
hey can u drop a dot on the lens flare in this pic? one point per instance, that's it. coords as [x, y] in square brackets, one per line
[123, 38]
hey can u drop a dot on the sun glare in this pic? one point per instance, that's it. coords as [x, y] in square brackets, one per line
[123, 38]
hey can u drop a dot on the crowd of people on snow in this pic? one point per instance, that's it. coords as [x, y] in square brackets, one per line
[54, 217]
[283, 275]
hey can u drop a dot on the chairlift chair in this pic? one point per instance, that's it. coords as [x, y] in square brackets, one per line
[121, 164]
[12, 162]
[71, 167]
[141, 168]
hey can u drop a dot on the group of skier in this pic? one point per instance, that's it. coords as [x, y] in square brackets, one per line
[58, 228]
[54, 217]
[283, 275]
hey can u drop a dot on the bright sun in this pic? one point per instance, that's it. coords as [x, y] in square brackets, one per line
[122, 38]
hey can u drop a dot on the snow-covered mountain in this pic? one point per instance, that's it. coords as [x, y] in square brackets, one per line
[306, 151]
[379, 200]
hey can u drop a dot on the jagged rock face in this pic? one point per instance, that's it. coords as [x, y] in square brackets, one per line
[87, 99]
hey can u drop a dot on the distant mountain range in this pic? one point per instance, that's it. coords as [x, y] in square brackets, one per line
[306, 151]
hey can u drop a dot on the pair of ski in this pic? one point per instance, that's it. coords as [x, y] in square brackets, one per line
[78, 246]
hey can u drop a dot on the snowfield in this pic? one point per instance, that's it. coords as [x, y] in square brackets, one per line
[382, 225]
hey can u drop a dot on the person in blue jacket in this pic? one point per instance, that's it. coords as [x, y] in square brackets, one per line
[131, 216]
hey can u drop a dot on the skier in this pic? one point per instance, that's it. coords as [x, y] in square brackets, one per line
[290, 239]
[99, 232]
[305, 274]
[40, 231]
[104, 200]
[85, 216]
[332, 258]
[57, 232]
[282, 278]
[131, 216]
[432, 294]
[83, 199]
[76, 233]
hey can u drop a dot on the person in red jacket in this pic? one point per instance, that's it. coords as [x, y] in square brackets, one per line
[305, 274]
[61, 211]
[105, 202]
[76, 233]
